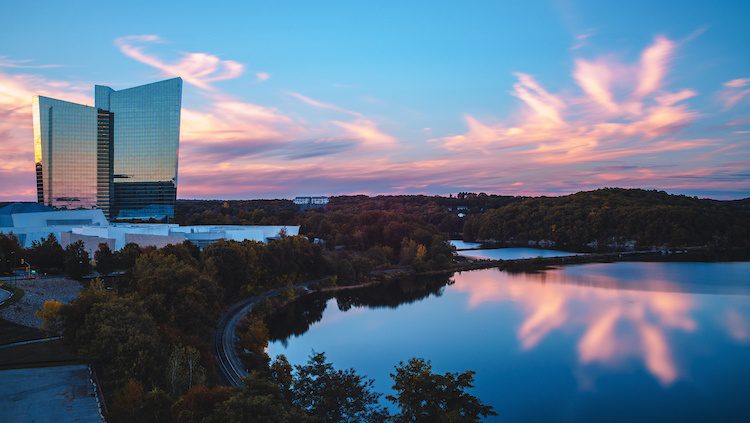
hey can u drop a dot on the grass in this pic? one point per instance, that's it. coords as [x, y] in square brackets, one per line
[41, 354]
[11, 332]
[31, 355]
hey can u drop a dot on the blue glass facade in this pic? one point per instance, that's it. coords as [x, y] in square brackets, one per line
[65, 153]
[146, 141]
[120, 156]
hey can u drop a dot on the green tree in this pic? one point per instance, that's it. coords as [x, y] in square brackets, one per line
[177, 293]
[10, 253]
[184, 369]
[424, 396]
[105, 259]
[76, 260]
[118, 334]
[333, 395]
[126, 257]
[259, 400]
[46, 254]
[133, 404]
[198, 403]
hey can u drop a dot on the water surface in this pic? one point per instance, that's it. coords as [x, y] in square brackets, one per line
[513, 253]
[586, 343]
[463, 245]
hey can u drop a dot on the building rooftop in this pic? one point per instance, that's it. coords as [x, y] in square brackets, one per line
[48, 394]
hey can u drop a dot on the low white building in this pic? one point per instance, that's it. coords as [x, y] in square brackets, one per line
[29, 224]
[310, 202]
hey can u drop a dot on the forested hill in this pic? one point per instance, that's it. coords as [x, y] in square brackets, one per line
[614, 215]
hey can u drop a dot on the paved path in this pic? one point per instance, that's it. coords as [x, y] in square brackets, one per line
[225, 341]
[4, 295]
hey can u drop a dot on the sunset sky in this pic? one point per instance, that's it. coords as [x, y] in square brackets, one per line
[291, 98]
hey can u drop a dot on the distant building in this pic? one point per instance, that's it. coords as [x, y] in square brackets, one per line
[311, 202]
[29, 224]
[119, 156]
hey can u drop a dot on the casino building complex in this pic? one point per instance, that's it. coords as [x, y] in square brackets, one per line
[119, 156]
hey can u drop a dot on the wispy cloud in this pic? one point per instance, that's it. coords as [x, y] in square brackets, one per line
[360, 129]
[598, 126]
[6, 62]
[733, 92]
[199, 69]
[322, 105]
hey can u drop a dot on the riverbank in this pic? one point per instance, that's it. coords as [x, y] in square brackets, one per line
[463, 264]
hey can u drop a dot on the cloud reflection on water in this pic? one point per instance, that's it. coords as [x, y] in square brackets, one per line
[617, 324]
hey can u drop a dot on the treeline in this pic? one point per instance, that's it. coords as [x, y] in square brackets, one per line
[236, 212]
[361, 241]
[46, 256]
[358, 233]
[612, 217]
[440, 212]
[149, 331]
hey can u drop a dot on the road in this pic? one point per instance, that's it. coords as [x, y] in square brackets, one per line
[225, 341]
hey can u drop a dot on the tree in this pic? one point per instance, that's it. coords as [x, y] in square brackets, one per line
[128, 400]
[46, 254]
[281, 374]
[253, 334]
[198, 403]
[177, 293]
[105, 259]
[76, 260]
[118, 334]
[50, 315]
[258, 401]
[333, 395]
[126, 257]
[424, 396]
[10, 253]
[229, 263]
[133, 404]
[184, 369]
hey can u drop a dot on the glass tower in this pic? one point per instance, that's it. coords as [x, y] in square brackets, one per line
[65, 153]
[146, 140]
[120, 156]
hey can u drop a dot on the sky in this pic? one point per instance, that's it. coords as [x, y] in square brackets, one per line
[393, 97]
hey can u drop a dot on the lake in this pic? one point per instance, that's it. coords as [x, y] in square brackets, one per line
[513, 253]
[597, 342]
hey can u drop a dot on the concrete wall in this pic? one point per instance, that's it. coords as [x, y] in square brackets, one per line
[158, 241]
[90, 243]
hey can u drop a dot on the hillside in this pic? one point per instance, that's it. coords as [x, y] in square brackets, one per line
[614, 215]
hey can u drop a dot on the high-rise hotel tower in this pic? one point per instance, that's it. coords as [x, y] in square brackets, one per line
[119, 156]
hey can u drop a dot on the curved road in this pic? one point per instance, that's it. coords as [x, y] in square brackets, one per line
[225, 341]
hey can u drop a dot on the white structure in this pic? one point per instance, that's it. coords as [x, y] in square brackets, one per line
[91, 227]
[310, 202]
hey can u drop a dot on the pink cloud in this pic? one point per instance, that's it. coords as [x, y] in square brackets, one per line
[733, 92]
[322, 105]
[367, 132]
[361, 129]
[262, 76]
[199, 69]
[653, 66]
[568, 129]
[617, 325]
